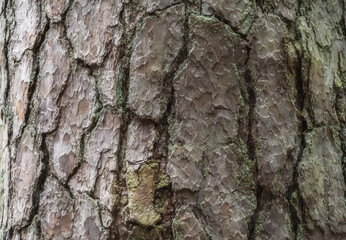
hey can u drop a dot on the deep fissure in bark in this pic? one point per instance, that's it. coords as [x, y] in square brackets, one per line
[40, 182]
[251, 146]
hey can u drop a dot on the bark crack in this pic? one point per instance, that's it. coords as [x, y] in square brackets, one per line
[93, 124]
[127, 116]
[251, 146]
[163, 125]
[39, 186]
[219, 16]
[297, 212]
[8, 112]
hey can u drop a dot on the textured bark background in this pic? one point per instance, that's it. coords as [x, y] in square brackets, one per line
[168, 119]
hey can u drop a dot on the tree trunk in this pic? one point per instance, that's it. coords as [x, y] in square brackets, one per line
[168, 119]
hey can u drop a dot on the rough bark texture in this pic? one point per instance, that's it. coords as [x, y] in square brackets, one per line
[170, 119]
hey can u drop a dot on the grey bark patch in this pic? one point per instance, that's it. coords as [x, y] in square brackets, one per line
[92, 232]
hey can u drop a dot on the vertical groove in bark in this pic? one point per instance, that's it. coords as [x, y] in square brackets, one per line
[41, 181]
[298, 211]
[8, 114]
[122, 93]
[33, 85]
[251, 145]
[164, 123]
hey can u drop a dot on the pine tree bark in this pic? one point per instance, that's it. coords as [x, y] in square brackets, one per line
[169, 119]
